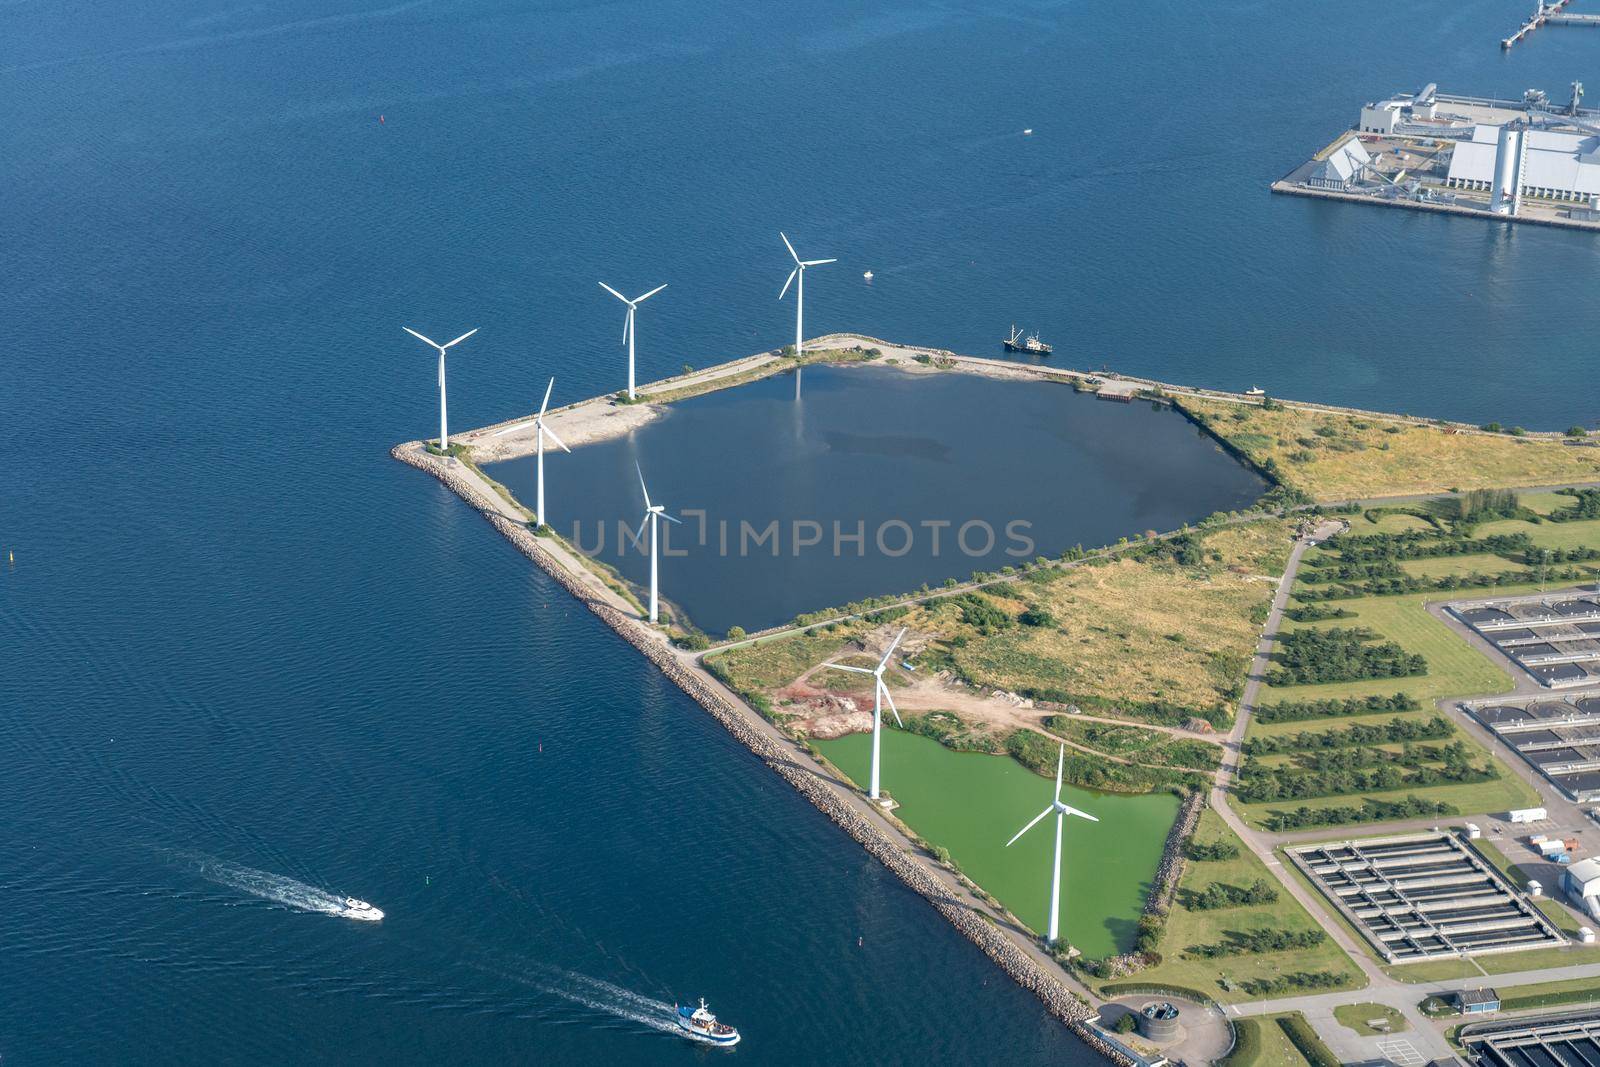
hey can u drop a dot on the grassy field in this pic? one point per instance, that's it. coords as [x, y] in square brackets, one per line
[1550, 994]
[1337, 457]
[1564, 920]
[1167, 635]
[1360, 1017]
[971, 804]
[1267, 1045]
[1186, 927]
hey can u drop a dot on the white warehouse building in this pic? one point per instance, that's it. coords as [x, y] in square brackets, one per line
[1550, 165]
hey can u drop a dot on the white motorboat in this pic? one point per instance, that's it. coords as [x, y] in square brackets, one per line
[360, 910]
[700, 1023]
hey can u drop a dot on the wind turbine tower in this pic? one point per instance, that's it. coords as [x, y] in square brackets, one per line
[798, 278]
[880, 696]
[444, 422]
[542, 431]
[627, 324]
[652, 513]
[1061, 812]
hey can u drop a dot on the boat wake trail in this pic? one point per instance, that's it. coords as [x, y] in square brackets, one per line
[269, 886]
[601, 996]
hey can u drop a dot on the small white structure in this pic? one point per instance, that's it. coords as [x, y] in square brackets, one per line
[1340, 168]
[1582, 879]
[1381, 117]
[1535, 888]
[1473, 833]
[1528, 815]
[1585, 935]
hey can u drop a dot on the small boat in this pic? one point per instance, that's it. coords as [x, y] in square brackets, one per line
[360, 910]
[1255, 390]
[867, 275]
[1030, 344]
[700, 1023]
[1028, 132]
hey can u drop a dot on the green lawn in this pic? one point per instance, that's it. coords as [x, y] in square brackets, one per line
[1360, 1017]
[1547, 994]
[1434, 971]
[1479, 563]
[970, 804]
[1187, 927]
[1267, 1045]
[1548, 534]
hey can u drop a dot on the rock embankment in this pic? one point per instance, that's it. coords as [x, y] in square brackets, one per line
[1023, 969]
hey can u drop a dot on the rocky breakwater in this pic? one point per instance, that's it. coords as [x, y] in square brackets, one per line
[792, 764]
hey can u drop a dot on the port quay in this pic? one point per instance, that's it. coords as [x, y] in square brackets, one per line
[1529, 160]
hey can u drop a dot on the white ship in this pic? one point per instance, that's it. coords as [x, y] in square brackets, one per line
[700, 1023]
[360, 910]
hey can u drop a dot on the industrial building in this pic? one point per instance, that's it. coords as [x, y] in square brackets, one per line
[1559, 738]
[1581, 883]
[1424, 896]
[1572, 1038]
[1555, 637]
[1511, 163]
[1529, 159]
[1476, 1001]
[1341, 167]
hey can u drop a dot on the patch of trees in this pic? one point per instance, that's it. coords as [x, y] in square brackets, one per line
[1318, 613]
[1407, 583]
[1219, 895]
[1303, 710]
[1341, 773]
[1393, 731]
[1211, 851]
[1371, 810]
[1340, 654]
[1419, 545]
[1036, 616]
[1585, 505]
[1476, 505]
[1256, 942]
[1038, 754]
[982, 613]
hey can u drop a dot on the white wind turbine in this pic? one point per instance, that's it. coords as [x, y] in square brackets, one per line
[627, 324]
[799, 275]
[880, 696]
[1061, 811]
[652, 512]
[542, 431]
[444, 426]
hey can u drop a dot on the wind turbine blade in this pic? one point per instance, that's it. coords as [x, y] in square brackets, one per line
[892, 646]
[817, 262]
[790, 247]
[548, 432]
[546, 404]
[647, 296]
[464, 336]
[613, 292]
[788, 283]
[1032, 823]
[627, 325]
[887, 699]
[638, 535]
[847, 667]
[1061, 761]
[642, 489]
[669, 518]
[418, 336]
[1080, 814]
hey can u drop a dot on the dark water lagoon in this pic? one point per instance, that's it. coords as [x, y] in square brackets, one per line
[877, 481]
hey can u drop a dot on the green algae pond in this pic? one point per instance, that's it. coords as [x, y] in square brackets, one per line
[972, 803]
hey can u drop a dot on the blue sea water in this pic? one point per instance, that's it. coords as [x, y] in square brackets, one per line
[236, 635]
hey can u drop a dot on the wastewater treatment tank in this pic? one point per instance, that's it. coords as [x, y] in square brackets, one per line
[1159, 1021]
